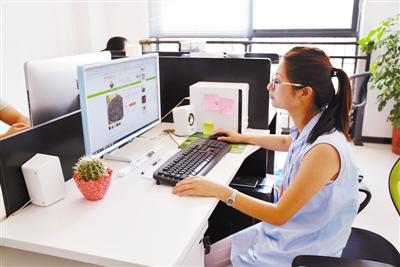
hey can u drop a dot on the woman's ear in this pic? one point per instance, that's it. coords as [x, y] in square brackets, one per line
[305, 92]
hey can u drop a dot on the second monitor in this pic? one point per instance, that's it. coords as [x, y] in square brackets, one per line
[51, 85]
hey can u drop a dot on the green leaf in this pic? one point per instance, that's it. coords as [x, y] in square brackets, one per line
[385, 69]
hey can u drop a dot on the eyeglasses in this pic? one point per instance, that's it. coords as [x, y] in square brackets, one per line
[275, 82]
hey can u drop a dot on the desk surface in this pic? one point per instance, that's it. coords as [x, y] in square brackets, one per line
[137, 223]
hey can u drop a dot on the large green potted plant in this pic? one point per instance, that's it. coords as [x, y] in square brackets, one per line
[385, 69]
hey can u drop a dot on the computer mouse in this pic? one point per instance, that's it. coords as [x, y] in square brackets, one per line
[216, 135]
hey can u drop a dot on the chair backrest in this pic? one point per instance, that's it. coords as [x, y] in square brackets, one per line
[273, 57]
[394, 185]
[360, 85]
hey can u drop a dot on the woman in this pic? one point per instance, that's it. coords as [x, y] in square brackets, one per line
[318, 198]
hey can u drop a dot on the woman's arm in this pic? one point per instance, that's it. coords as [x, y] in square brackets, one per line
[270, 142]
[11, 116]
[320, 165]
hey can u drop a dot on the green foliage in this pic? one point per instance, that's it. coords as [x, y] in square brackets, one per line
[90, 168]
[386, 69]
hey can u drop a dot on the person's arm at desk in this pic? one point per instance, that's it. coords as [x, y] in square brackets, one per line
[319, 166]
[270, 142]
[15, 119]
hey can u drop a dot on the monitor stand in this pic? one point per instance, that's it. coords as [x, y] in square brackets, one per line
[114, 156]
[122, 154]
[119, 154]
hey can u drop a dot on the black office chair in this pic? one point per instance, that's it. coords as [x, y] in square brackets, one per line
[359, 86]
[363, 249]
[273, 57]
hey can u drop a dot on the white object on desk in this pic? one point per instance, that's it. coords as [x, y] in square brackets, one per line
[44, 179]
[184, 120]
[221, 103]
[134, 164]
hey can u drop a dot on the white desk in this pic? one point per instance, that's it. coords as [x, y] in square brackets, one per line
[138, 223]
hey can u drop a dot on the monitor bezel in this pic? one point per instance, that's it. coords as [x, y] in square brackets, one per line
[83, 99]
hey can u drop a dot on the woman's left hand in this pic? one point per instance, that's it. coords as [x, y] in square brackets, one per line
[198, 186]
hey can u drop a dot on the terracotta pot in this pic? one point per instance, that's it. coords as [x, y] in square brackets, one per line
[93, 189]
[396, 140]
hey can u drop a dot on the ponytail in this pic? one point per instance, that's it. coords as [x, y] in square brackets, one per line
[311, 66]
[336, 114]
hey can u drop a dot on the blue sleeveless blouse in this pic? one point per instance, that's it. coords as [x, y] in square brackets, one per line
[321, 227]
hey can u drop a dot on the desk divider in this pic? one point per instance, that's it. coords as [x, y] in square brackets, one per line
[60, 137]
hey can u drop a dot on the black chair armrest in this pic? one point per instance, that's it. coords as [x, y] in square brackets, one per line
[364, 189]
[318, 261]
[354, 105]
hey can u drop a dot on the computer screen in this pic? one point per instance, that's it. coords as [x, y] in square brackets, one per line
[51, 85]
[120, 99]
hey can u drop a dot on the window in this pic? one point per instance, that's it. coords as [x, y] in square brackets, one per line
[253, 18]
[192, 18]
[305, 18]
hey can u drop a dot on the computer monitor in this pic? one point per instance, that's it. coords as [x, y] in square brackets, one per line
[120, 99]
[51, 85]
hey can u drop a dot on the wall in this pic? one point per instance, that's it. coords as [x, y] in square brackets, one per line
[375, 124]
[33, 30]
[37, 30]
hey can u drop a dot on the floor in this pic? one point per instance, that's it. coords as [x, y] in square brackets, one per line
[380, 216]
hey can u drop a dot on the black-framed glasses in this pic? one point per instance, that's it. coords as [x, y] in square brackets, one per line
[275, 82]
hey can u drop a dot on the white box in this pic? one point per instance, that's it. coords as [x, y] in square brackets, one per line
[44, 179]
[224, 104]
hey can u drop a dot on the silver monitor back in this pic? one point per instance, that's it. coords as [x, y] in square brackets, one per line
[51, 85]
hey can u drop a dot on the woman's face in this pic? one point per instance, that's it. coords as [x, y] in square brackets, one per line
[281, 94]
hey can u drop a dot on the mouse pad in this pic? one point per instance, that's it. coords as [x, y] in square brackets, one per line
[235, 148]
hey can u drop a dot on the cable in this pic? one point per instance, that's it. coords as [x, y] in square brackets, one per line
[180, 102]
[152, 137]
[170, 135]
[179, 135]
[26, 204]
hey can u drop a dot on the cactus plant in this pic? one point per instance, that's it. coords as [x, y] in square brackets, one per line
[90, 168]
[92, 177]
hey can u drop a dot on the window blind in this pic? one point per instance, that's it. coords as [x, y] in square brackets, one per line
[193, 18]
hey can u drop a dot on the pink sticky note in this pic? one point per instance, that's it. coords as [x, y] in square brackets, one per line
[211, 102]
[226, 106]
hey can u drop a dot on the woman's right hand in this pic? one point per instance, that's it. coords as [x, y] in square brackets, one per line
[231, 136]
[16, 127]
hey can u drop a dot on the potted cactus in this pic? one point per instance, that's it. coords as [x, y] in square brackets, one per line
[92, 177]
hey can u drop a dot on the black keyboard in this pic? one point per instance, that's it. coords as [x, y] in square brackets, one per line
[196, 159]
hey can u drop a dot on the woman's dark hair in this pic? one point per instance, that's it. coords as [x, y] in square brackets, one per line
[312, 67]
[116, 43]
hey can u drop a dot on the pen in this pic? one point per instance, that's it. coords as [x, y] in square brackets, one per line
[134, 164]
